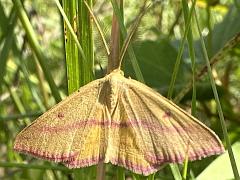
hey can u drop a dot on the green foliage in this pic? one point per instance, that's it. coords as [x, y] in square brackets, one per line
[160, 52]
[216, 170]
[43, 56]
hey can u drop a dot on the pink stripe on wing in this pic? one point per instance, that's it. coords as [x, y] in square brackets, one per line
[156, 127]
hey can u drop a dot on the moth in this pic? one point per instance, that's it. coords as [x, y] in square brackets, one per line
[118, 120]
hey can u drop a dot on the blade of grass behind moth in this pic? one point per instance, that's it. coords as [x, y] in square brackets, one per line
[218, 56]
[69, 26]
[210, 31]
[85, 35]
[99, 29]
[192, 57]
[17, 101]
[175, 171]
[120, 173]
[43, 90]
[219, 108]
[34, 166]
[32, 39]
[132, 32]
[7, 45]
[72, 45]
[131, 53]
[114, 57]
[13, 117]
[151, 177]
[178, 60]
[23, 68]
[3, 22]
[135, 176]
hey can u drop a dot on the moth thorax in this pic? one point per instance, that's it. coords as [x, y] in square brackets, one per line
[109, 94]
[114, 94]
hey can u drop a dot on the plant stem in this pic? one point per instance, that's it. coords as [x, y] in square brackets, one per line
[100, 171]
[114, 57]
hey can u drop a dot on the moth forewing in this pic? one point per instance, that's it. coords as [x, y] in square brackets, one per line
[117, 120]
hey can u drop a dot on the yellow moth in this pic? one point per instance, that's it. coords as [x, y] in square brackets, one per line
[121, 121]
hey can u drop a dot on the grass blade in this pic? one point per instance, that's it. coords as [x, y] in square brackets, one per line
[69, 26]
[175, 171]
[98, 28]
[178, 60]
[32, 39]
[72, 45]
[85, 32]
[7, 45]
[219, 108]
[33, 166]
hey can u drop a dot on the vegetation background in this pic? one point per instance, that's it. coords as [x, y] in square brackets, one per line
[41, 62]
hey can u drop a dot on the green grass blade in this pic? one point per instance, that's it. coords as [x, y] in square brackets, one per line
[71, 45]
[185, 168]
[178, 60]
[85, 31]
[99, 29]
[30, 86]
[7, 46]
[151, 177]
[17, 101]
[219, 108]
[23, 67]
[32, 39]
[193, 59]
[192, 55]
[20, 116]
[120, 173]
[69, 26]
[79, 54]
[33, 166]
[175, 171]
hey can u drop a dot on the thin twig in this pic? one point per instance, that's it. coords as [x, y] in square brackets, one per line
[218, 56]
